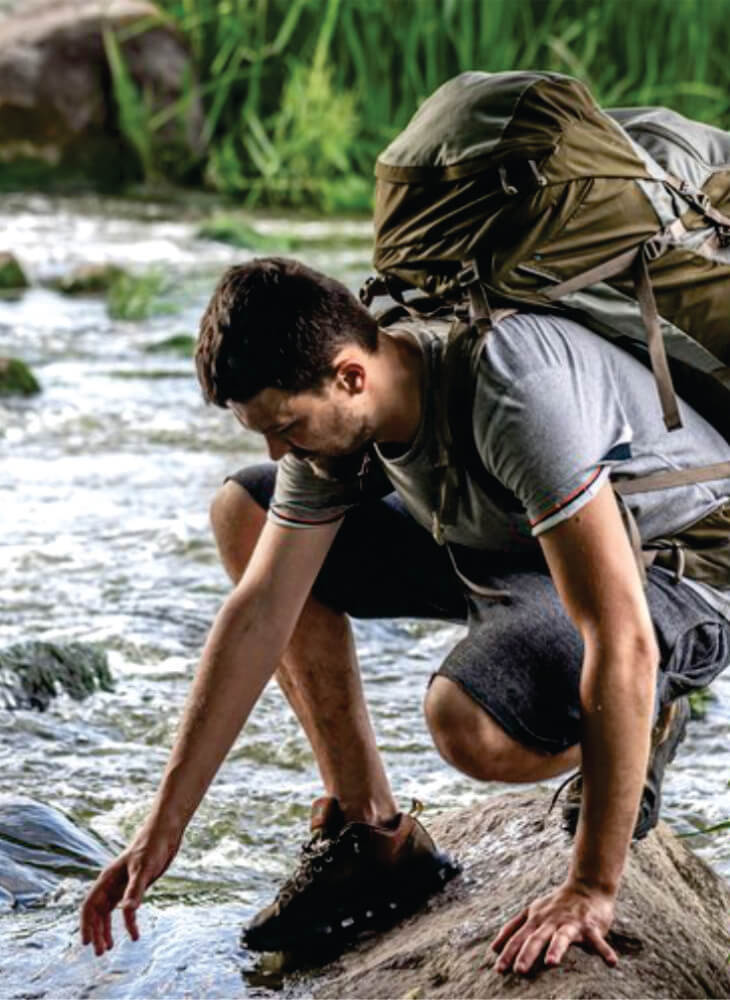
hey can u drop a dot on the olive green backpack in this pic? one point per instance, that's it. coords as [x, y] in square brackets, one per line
[516, 190]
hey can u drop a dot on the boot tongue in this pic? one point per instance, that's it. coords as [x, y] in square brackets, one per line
[327, 818]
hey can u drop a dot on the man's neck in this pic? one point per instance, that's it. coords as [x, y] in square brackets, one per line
[401, 388]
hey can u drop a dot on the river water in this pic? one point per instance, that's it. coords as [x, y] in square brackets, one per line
[106, 480]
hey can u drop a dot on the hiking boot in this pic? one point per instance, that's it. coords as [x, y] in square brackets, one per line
[351, 877]
[668, 732]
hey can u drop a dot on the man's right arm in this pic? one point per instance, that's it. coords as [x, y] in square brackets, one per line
[243, 648]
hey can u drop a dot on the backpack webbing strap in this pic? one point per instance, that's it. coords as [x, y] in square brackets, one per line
[676, 477]
[480, 313]
[643, 559]
[446, 477]
[655, 342]
[700, 200]
[637, 258]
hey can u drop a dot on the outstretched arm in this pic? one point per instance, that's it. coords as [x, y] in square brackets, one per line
[595, 573]
[248, 636]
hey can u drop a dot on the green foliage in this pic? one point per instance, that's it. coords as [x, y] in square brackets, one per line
[699, 702]
[137, 296]
[300, 154]
[301, 95]
[132, 109]
[715, 828]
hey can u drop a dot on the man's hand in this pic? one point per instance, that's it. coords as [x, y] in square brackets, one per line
[573, 914]
[127, 878]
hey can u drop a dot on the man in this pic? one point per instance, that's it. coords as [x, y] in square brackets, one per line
[568, 661]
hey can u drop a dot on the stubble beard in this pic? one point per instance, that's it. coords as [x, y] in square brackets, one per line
[347, 463]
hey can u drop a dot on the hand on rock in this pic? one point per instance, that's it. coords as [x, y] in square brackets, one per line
[573, 914]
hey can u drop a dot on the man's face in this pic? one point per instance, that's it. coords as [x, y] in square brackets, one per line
[322, 427]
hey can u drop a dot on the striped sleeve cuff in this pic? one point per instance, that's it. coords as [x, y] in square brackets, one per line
[570, 504]
[290, 516]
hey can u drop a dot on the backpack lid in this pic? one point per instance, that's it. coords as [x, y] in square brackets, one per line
[478, 119]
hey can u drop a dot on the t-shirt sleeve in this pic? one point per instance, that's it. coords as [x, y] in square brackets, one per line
[304, 499]
[551, 437]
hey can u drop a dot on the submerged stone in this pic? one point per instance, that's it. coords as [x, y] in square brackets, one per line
[670, 931]
[16, 378]
[89, 279]
[12, 276]
[31, 673]
[40, 845]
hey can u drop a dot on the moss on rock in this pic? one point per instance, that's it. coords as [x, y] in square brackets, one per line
[12, 275]
[179, 343]
[240, 233]
[31, 673]
[16, 378]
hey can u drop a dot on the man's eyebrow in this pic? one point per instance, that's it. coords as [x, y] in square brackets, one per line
[277, 427]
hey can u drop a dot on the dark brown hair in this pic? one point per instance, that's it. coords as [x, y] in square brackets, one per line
[274, 322]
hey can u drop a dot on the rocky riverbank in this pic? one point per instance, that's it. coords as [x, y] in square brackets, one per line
[671, 930]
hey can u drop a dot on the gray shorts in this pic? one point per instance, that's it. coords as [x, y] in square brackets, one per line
[521, 658]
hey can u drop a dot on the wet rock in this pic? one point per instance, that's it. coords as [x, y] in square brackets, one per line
[16, 378]
[89, 279]
[59, 120]
[12, 276]
[31, 673]
[182, 344]
[671, 930]
[40, 845]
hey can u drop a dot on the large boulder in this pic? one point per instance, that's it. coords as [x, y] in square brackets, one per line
[671, 930]
[59, 121]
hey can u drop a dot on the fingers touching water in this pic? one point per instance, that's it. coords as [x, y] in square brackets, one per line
[123, 883]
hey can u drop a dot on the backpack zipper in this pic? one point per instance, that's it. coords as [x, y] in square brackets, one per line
[677, 141]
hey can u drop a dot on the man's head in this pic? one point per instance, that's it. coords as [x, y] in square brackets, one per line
[282, 346]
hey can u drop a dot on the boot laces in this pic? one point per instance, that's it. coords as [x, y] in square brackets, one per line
[315, 854]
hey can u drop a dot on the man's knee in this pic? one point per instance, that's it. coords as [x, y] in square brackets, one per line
[470, 739]
[464, 734]
[236, 519]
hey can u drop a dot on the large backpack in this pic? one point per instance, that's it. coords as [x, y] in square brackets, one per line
[516, 189]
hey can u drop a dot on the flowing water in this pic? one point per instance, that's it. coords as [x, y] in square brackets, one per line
[106, 480]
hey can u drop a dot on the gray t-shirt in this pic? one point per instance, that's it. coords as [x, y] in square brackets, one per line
[557, 409]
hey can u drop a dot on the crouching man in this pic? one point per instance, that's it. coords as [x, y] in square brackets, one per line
[569, 661]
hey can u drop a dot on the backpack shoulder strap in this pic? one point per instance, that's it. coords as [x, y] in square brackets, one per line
[456, 449]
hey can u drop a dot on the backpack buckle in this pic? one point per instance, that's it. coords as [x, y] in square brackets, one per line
[468, 275]
[371, 288]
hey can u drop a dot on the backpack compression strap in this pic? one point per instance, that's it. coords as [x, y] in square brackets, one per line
[638, 258]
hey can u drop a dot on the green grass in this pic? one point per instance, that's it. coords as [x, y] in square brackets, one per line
[300, 95]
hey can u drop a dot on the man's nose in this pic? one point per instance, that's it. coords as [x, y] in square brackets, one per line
[277, 447]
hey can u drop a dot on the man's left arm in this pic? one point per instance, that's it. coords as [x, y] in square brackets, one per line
[595, 573]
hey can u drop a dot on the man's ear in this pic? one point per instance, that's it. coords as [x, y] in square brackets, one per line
[351, 376]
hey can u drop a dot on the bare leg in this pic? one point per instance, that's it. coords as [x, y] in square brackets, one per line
[319, 675]
[471, 740]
